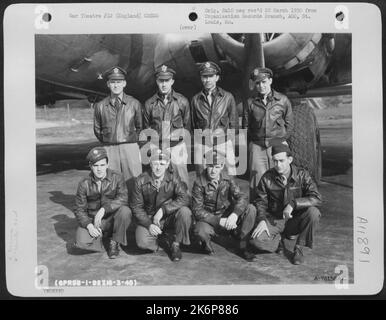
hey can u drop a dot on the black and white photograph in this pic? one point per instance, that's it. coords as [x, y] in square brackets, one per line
[290, 92]
[183, 162]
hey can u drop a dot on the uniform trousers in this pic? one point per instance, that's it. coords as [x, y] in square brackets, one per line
[260, 160]
[125, 158]
[205, 231]
[177, 225]
[303, 223]
[179, 160]
[115, 225]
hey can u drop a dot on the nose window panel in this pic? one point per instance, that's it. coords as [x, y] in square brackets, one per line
[197, 51]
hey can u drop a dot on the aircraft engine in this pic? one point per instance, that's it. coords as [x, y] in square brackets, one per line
[298, 60]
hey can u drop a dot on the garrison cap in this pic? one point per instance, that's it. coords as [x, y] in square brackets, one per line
[158, 154]
[115, 73]
[259, 74]
[281, 147]
[164, 72]
[209, 68]
[96, 154]
[213, 157]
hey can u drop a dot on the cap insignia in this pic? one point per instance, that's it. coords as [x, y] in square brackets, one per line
[207, 65]
[164, 68]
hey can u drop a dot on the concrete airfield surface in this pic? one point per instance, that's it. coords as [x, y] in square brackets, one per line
[61, 166]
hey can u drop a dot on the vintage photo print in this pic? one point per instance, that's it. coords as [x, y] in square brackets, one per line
[193, 150]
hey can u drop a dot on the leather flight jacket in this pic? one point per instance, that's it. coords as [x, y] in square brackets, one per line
[209, 203]
[176, 113]
[147, 200]
[116, 125]
[88, 200]
[270, 123]
[222, 114]
[272, 196]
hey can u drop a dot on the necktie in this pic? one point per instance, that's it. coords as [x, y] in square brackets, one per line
[284, 180]
[157, 184]
[165, 101]
[213, 184]
[99, 185]
[117, 103]
[210, 98]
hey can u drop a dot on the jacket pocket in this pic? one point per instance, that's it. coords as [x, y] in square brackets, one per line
[255, 125]
[106, 132]
[202, 123]
[224, 121]
[295, 192]
[177, 123]
[280, 122]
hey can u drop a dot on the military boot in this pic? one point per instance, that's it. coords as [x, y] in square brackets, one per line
[298, 257]
[113, 250]
[175, 252]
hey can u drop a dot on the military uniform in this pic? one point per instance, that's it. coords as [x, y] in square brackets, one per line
[267, 123]
[213, 200]
[109, 193]
[169, 116]
[117, 125]
[273, 194]
[172, 197]
[215, 112]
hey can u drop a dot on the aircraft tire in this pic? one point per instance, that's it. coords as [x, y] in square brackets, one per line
[305, 141]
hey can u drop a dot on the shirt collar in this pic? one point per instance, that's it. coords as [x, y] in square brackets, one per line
[205, 180]
[292, 177]
[149, 178]
[216, 91]
[108, 176]
[122, 100]
[170, 96]
[272, 95]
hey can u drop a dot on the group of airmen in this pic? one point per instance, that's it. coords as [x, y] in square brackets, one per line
[167, 211]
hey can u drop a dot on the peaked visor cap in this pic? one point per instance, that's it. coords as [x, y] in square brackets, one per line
[164, 72]
[259, 74]
[115, 73]
[209, 68]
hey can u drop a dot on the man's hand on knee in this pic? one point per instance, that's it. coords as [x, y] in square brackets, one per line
[94, 232]
[230, 222]
[287, 212]
[261, 227]
[154, 230]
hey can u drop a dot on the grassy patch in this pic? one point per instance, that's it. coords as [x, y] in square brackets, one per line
[64, 114]
[343, 112]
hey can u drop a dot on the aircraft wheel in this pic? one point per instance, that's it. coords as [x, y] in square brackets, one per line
[305, 141]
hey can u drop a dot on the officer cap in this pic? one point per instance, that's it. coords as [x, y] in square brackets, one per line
[158, 154]
[209, 68]
[214, 157]
[164, 72]
[259, 74]
[96, 154]
[115, 73]
[281, 147]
